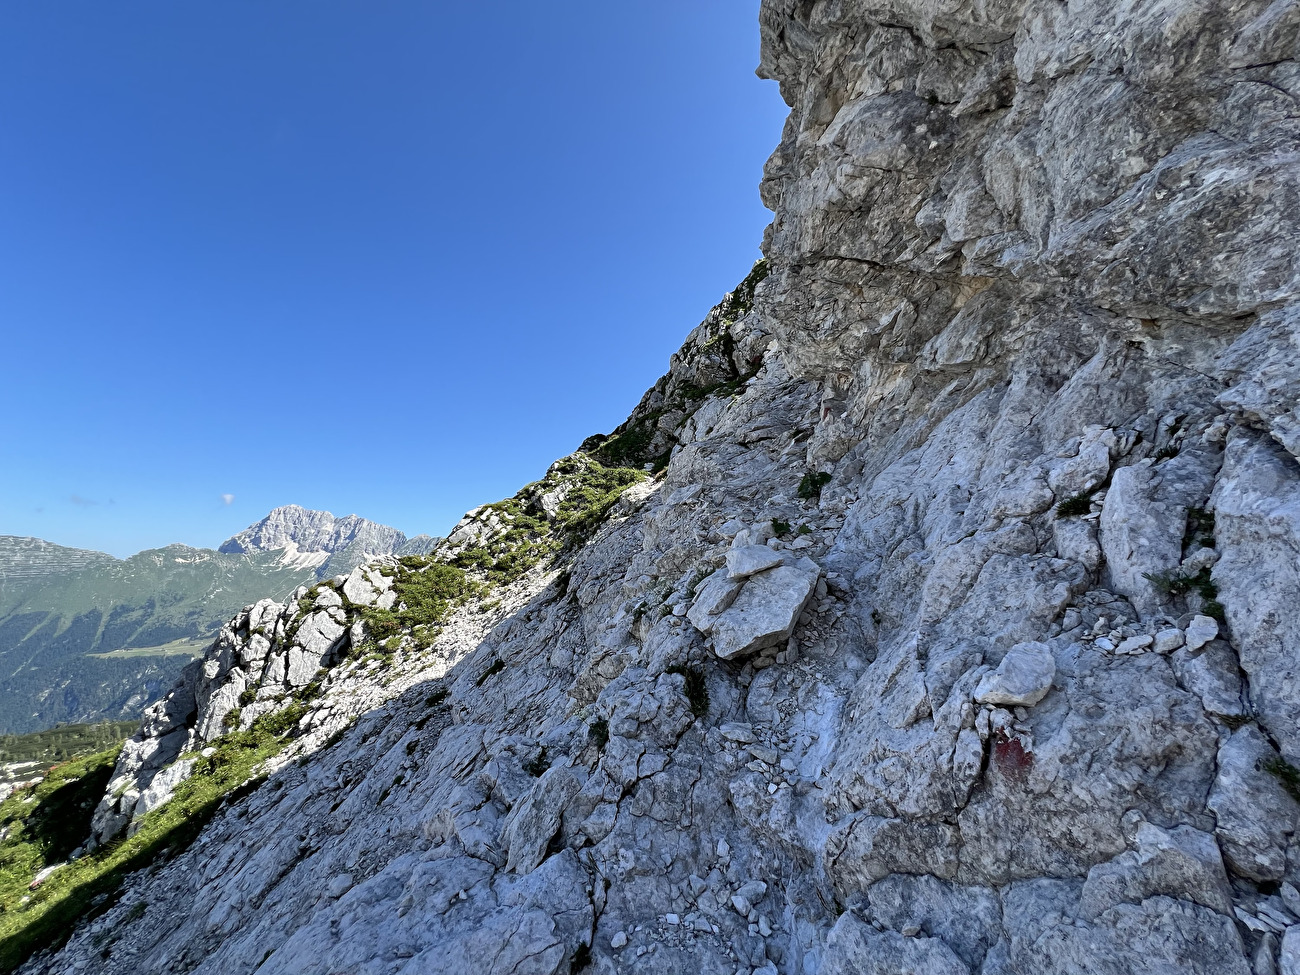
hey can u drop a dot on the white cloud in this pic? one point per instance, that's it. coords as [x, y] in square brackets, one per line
[227, 499]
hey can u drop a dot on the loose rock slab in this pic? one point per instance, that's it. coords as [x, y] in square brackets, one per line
[765, 610]
[1023, 678]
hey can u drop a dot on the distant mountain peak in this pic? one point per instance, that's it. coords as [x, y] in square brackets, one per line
[316, 539]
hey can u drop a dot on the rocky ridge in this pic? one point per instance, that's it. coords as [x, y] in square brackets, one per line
[956, 631]
[318, 539]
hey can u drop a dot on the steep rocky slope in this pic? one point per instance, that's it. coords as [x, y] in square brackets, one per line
[957, 632]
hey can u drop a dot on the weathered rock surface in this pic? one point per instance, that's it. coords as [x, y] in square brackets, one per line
[764, 611]
[1023, 677]
[1021, 254]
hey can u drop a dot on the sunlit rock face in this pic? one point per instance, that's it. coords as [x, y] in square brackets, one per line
[1029, 301]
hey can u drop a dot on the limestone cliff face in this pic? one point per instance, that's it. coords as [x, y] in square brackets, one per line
[958, 634]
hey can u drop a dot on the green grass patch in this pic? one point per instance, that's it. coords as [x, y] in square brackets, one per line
[528, 537]
[694, 687]
[427, 591]
[59, 820]
[810, 486]
[1074, 506]
[65, 742]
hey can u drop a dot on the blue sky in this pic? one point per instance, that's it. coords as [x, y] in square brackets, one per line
[374, 257]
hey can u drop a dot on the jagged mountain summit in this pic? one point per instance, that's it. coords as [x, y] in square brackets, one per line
[952, 630]
[85, 636]
[318, 540]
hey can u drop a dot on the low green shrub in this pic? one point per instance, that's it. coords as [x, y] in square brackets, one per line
[695, 687]
[810, 486]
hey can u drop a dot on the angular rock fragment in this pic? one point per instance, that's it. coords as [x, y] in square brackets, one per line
[714, 595]
[1023, 677]
[1182, 862]
[1201, 631]
[765, 610]
[745, 560]
[1255, 814]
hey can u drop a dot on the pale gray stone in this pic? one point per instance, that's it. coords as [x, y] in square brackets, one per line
[855, 948]
[1200, 631]
[765, 611]
[714, 595]
[1214, 675]
[1168, 640]
[1184, 863]
[1288, 962]
[1023, 677]
[1254, 813]
[745, 560]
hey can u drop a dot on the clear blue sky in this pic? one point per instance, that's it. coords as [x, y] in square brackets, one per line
[389, 258]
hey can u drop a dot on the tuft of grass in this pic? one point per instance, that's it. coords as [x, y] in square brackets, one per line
[695, 688]
[305, 603]
[1170, 582]
[1214, 609]
[780, 527]
[598, 733]
[1074, 506]
[810, 487]
[497, 666]
[1174, 583]
[1286, 773]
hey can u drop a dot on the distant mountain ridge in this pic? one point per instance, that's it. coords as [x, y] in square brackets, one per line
[85, 636]
[317, 538]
